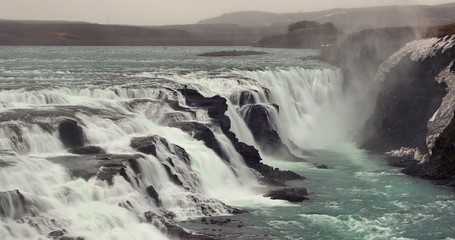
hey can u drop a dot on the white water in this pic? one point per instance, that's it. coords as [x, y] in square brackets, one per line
[90, 208]
[315, 111]
[114, 113]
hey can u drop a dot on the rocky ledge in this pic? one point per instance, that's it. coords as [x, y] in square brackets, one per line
[233, 53]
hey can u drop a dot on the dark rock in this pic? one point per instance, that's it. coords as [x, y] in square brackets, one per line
[148, 145]
[144, 145]
[242, 98]
[71, 134]
[108, 171]
[323, 166]
[441, 166]
[13, 204]
[258, 119]
[87, 150]
[233, 53]
[103, 166]
[172, 228]
[201, 132]
[154, 195]
[409, 98]
[289, 194]
[56, 234]
[70, 238]
[174, 177]
[216, 107]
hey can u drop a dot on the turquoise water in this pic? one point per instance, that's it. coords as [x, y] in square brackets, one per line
[358, 197]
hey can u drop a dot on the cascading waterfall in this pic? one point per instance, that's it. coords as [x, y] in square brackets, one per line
[109, 118]
[315, 111]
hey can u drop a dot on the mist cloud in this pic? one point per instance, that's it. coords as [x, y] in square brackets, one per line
[153, 12]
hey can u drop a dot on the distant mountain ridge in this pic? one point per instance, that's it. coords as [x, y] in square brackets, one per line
[348, 20]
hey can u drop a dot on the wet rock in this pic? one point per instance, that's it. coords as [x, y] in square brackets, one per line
[409, 98]
[71, 134]
[13, 204]
[56, 234]
[108, 171]
[441, 166]
[322, 166]
[87, 150]
[259, 121]
[172, 228]
[103, 166]
[201, 132]
[174, 177]
[151, 191]
[289, 194]
[148, 145]
[242, 98]
[216, 106]
[70, 238]
[144, 145]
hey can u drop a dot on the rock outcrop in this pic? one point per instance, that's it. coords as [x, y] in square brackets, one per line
[289, 194]
[216, 107]
[71, 134]
[303, 34]
[415, 108]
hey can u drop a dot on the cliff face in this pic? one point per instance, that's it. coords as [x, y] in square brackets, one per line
[412, 121]
[415, 107]
[411, 95]
[303, 34]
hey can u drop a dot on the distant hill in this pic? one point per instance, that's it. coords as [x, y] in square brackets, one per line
[303, 34]
[87, 34]
[348, 20]
[228, 34]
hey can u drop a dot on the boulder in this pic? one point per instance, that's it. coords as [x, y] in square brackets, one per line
[289, 194]
[71, 134]
[144, 145]
[154, 195]
[259, 121]
[87, 150]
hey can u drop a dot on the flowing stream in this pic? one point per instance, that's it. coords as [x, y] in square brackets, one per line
[118, 94]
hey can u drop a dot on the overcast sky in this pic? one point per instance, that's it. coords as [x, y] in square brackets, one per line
[160, 12]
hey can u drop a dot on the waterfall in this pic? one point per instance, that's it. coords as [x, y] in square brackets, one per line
[41, 169]
[140, 154]
[314, 110]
